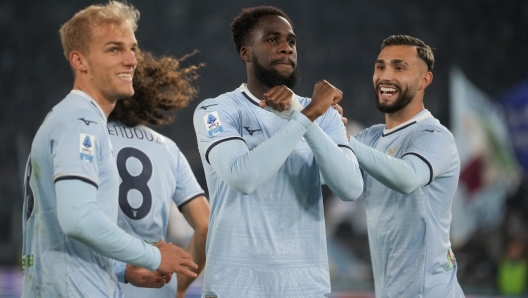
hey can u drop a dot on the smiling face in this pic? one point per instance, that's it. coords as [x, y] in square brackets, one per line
[273, 55]
[111, 61]
[400, 77]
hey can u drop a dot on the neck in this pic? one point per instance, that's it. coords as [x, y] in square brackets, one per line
[255, 87]
[107, 105]
[403, 115]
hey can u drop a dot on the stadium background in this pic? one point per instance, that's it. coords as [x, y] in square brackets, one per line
[337, 41]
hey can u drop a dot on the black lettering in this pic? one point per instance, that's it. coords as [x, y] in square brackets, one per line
[111, 132]
[127, 131]
[140, 136]
[147, 136]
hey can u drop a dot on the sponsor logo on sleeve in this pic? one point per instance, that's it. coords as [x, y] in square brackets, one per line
[87, 147]
[213, 124]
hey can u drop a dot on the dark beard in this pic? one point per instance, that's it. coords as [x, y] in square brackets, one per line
[403, 100]
[271, 77]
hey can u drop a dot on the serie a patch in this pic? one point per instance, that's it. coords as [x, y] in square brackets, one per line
[213, 124]
[87, 147]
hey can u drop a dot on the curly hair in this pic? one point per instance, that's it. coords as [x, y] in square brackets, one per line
[76, 34]
[243, 25]
[161, 86]
[424, 51]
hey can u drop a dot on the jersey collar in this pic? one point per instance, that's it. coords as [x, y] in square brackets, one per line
[419, 117]
[90, 99]
[245, 91]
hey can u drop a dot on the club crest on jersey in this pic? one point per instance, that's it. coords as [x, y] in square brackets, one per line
[87, 147]
[213, 124]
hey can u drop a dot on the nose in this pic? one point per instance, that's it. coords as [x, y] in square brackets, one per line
[131, 59]
[285, 48]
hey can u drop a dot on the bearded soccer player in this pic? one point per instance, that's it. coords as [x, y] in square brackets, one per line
[264, 167]
[70, 235]
[411, 168]
[152, 168]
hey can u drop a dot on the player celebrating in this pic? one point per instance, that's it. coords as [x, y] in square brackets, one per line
[411, 170]
[152, 168]
[267, 235]
[70, 209]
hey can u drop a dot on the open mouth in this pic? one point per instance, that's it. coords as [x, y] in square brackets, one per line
[125, 76]
[387, 91]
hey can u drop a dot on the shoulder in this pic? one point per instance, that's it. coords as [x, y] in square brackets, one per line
[373, 131]
[432, 129]
[224, 101]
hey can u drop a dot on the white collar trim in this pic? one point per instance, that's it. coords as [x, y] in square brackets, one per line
[244, 88]
[419, 117]
[88, 97]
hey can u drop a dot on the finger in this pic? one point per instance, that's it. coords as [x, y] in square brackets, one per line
[161, 242]
[262, 104]
[272, 90]
[168, 278]
[338, 108]
[187, 272]
[189, 263]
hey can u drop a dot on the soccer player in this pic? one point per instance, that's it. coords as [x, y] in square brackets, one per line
[70, 235]
[411, 170]
[152, 169]
[264, 167]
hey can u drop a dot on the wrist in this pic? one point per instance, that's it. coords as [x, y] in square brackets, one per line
[310, 113]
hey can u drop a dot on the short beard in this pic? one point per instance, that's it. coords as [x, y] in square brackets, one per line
[271, 77]
[401, 102]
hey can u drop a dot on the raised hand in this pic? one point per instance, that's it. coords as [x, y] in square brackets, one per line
[175, 259]
[280, 101]
[141, 277]
[324, 95]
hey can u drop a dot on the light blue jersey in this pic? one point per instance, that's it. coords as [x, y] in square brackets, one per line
[71, 143]
[153, 171]
[409, 233]
[270, 242]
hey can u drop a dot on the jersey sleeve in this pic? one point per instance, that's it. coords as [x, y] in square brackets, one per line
[77, 144]
[331, 123]
[187, 187]
[435, 146]
[215, 124]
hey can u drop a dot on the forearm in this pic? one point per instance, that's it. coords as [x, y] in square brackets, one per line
[81, 219]
[197, 249]
[402, 175]
[339, 167]
[246, 170]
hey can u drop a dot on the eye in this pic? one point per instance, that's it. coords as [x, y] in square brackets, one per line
[272, 40]
[379, 66]
[399, 67]
[113, 50]
[292, 42]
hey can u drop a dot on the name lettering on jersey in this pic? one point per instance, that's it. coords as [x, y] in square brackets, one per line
[28, 261]
[134, 133]
[213, 124]
[251, 131]
[204, 107]
[211, 296]
[87, 147]
[87, 122]
[391, 151]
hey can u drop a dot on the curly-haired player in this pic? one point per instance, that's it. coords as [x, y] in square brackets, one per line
[152, 169]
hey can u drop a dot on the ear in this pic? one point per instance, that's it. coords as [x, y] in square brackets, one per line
[78, 61]
[245, 53]
[427, 79]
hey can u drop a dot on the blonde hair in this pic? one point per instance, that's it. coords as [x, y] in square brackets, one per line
[76, 34]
